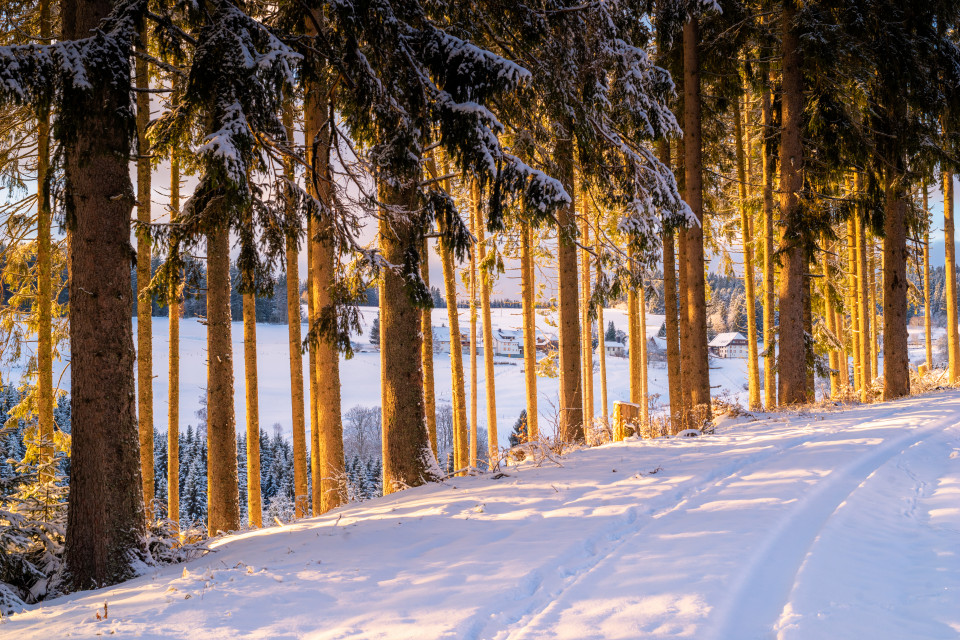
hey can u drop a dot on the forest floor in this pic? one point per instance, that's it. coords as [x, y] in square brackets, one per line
[834, 523]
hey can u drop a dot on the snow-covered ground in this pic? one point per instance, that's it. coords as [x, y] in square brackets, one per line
[360, 376]
[829, 525]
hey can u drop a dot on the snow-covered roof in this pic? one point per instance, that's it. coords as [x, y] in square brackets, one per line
[723, 339]
[613, 344]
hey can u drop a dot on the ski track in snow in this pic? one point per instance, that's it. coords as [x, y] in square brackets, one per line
[826, 525]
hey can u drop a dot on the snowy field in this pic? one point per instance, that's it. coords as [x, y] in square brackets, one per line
[831, 525]
[360, 376]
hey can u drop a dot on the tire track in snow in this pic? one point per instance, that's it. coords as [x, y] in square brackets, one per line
[758, 599]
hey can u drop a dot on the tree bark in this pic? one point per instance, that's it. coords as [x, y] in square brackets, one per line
[950, 266]
[896, 362]
[223, 511]
[830, 316]
[769, 273]
[426, 356]
[698, 370]
[633, 338]
[407, 458]
[586, 346]
[792, 346]
[527, 293]
[493, 447]
[329, 468]
[254, 506]
[852, 302]
[474, 386]
[872, 301]
[461, 456]
[753, 369]
[173, 392]
[927, 314]
[644, 367]
[144, 302]
[300, 471]
[105, 515]
[863, 300]
[571, 391]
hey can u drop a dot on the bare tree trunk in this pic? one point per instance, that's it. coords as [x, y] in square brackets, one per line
[254, 505]
[223, 510]
[458, 395]
[45, 398]
[602, 356]
[670, 310]
[950, 266]
[105, 515]
[862, 301]
[328, 468]
[927, 314]
[830, 316]
[571, 392]
[301, 489]
[144, 302]
[896, 362]
[426, 356]
[684, 328]
[493, 447]
[872, 301]
[852, 302]
[528, 295]
[793, 360]
[474, 386]
[696, 310]
[633, 337]
[753, 368]
[295, 338]
[407, 458]
[173, 392]
[769, 273]
[586, 346]
[644, 368]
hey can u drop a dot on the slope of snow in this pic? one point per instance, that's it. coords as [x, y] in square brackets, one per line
[833, 525]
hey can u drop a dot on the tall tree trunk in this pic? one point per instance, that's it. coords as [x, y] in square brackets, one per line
[696, 306]
[852, 302]
[753, 369]
[300, 480]
[223, 510]
[927, 314]
[45, 399]
[474, 386]
[493, 447]
[568, 323]
[769, 273]
[254, 505]
[793, 359]
[602, 357]
[294, 334]
[458, 399]
[896, 362]
[144, 302]
[872, 302]
[633, 337]
[808, 331]
[426, 356]
[863, 301]
[173, 391]
[950, 266]
[105, 515]
[407, 458]
[528, 295]
[329, 468]
[670, 310]
[644, 365]
[830, 316]
[586, 346]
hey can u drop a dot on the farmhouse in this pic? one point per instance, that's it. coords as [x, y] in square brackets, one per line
[729, 345]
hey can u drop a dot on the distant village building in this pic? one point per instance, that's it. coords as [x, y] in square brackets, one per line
[441, 339]
[728, 345]
[614, 349]
[508, 343]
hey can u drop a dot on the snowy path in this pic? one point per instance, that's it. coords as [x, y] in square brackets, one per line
[828, 525]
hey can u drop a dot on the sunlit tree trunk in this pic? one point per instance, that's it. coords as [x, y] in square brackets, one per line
[695, 304]
[426, 356]
[950, 266]
[927, 314]
[670, 310]
[586, 345]
[458, 400]
[872, 283]
[863, 300]
[144, 302]
[644, 365]
[830, 317]
[571, 391]
[294, 334]
[254, 505]
[792, 346]
[753, 369]
[173, 392]
[223, 510]
[633, 337]
[474, 385]
[769, 274]
[853, 311]
[493, 447]
[300, 471]
[328, 468]
[896, 361]
[528, 295]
